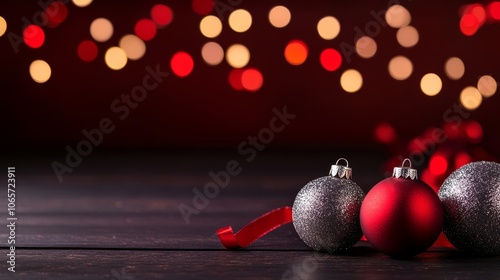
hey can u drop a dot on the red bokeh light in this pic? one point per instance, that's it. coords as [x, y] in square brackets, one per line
[87, 50]
[182, 64]
[474, 132]
[385, 133]
[330, 59]
[235, 79]
[203, 7]
[145, 29]
[162, 15]
[461, 159]
[33, 36]
[438, 164]
[252, 79]
[476, 10]
[469, 25]
[56, 13]
[494, 10]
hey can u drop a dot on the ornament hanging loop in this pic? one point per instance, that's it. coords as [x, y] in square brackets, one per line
[405, 161]
[346, 162]
[341, 171]
[405, 172]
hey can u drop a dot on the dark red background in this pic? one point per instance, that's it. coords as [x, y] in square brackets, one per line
[202, 110]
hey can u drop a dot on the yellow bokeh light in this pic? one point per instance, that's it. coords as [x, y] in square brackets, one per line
[82, 3]
[133, 46]
[400, 68]
[101, 29]
[328, 28]
[212, 53]
[237, 56]
[397, 16]
[3, 26]
[240, 20]
[366, 47]
[487, 86]
[407, 36]
[454, 68]
[279, 16]
[470, 98]
[431, 84]
[115, 58]
[40, 71]
[210, 26]
[351, 80]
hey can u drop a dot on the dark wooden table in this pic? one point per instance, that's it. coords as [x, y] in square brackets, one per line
[117, 217]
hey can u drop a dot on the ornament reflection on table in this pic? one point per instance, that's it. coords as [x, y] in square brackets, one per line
[325, 213]
[471, 202]
[401, 215]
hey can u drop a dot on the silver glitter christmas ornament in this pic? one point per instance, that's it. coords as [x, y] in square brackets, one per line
[325, 213]
[471, 202]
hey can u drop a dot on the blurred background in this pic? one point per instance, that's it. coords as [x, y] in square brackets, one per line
[394, 78]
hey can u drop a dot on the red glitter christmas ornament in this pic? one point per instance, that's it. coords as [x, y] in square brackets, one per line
[401, 216]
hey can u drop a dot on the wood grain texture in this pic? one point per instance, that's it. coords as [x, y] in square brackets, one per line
[96, 224]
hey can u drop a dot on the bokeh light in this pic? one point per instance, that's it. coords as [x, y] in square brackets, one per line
[101, 29]
[487, 86]
[203, 7]
[400, 68]
[296, 52]
[279, 16]
[56, 13]
[431, 84]
[212, 53]
[470, 98]
[438, 164]
[469, 25]
[162, 15]
[330, 59]
[237, 56]
[115, 58]
[461, 159]
[397, 16]
[252, 79]
[82, 3]
[87, 50]
[474, 131]
[33, 36]
[328, 28]
[494, 10]
[210, 26]
[384, 133]
[133, 46]
[454, 68]
[407, 36]
[145, 29]
[240, 20]
[478, 11]
[235, 79]
[182, 64]
[351, 80]
[3, 26]
[40, 71]
[366, 47]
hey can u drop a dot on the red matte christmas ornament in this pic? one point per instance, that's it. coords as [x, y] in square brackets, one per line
[401, 216]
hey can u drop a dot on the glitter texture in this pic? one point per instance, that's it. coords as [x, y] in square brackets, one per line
[326, 214]
[471, 202]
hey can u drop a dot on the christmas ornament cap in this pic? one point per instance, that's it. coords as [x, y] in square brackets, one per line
[405, 172]
[341, 171]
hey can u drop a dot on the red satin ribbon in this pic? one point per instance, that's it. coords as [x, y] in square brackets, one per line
[255, 229]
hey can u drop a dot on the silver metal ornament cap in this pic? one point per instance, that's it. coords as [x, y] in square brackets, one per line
[405, 172]
[341, 171]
